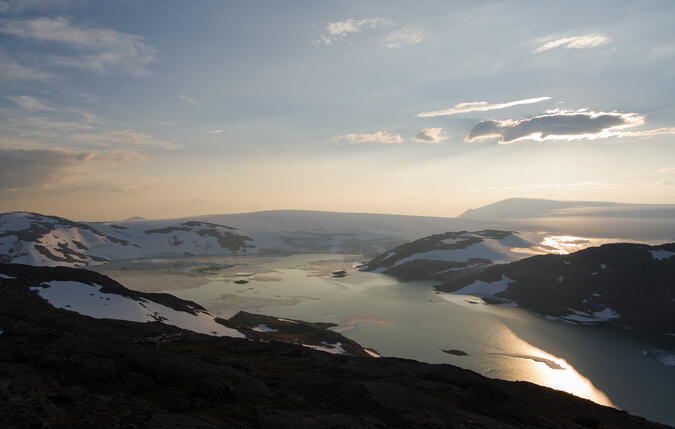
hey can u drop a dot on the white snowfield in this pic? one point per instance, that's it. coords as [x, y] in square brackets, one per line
[34, 239]
[481, 288]
[89, 300]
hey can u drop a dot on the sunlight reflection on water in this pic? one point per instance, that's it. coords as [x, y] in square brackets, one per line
[548, 370]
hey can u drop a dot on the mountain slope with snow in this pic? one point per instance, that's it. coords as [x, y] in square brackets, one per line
[442, 256]
[35, 239]
[627, 285]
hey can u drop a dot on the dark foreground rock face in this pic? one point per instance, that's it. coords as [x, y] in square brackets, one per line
[59, 369]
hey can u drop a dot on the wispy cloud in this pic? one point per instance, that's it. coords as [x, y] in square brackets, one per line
[339, 29]
[18, 6]
[98, 49]
[479, 106]
[161, 122]
[403, 37]
[10, 70]
[34, 168]
[29, 103]
[565, 125]
[125, 137]
[381, 137]
[431, 135]
[575, 42]
[667, 170]
[215, 131]
[188, 99]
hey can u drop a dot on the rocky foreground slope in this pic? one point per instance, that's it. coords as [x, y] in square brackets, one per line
[61, 369]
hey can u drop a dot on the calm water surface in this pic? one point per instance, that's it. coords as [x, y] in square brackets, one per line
[411, 320]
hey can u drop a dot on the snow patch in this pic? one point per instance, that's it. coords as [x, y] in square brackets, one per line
[6, 277]
[466, 267]
[335, 349]
[264, 328]
[566, 262]
[560, 279]
[388, 255]
[661, 254]
[666, 358]
[480, 287]
[89, 300]
[450, 241]
[603, 266]
[598, 316]
[372, 353]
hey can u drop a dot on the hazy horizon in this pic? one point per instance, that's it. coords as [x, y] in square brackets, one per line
[169, 109]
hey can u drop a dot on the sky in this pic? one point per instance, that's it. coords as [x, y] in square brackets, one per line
[161, 109]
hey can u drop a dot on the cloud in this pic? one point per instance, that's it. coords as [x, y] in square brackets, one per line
[99, 49]
[29, 103]
[431, 135]
[564, 125]
[125, 137]
[339, 29]
[648, 133]
[188, 99]
[215, 131]
[667, 170]
[403, 37]
[161, 122]
[478, 106]
[36, 168]
[575, 42]
[378, 137]
[18, 6]
[11, 70]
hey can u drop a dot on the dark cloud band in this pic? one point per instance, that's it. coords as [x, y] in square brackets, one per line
[556, 126]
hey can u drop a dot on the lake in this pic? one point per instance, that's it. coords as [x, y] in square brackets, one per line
[411, 320]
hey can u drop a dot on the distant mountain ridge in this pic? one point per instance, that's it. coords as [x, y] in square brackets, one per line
[524, 208]
[36, 239]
